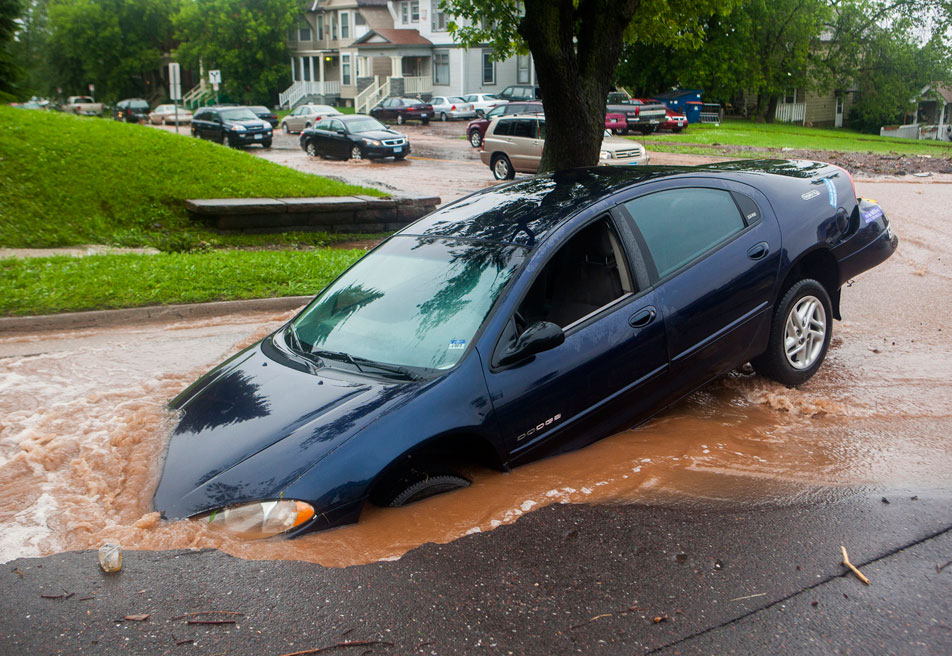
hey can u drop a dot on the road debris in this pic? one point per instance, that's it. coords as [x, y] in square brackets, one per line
[939, 568]
[110, 557]
[199, 613]
[340, 645]
[759, 594]
[846, 561]
[140, 617]
[660, 618]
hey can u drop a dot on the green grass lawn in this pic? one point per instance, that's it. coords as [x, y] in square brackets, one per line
[68, 180]
[48, 285]
[703, 138]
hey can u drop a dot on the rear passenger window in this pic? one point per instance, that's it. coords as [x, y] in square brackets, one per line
[524, 127]
[503, 128]
[678, 225]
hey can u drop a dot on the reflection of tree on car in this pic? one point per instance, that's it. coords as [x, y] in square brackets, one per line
[354, 137]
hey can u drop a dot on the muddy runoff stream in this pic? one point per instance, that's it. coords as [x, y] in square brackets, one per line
[83, 425]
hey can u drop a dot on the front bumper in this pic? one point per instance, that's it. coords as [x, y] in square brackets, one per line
[375, 152]
[250, 138]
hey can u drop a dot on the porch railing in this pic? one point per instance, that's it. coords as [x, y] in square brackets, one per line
[371, 96]
[293, 95]
[196, 95]
[413, 86]
[791, 112]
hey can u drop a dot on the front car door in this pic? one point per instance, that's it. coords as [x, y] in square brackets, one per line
[337, 136]
[712, 248]
[605, 372]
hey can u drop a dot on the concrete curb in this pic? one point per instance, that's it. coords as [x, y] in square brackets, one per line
[155, 313]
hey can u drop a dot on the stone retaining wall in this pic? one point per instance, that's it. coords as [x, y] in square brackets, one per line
[325, 214]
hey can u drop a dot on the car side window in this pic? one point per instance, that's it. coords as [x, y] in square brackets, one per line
[337, 125]
[524, 127]
[678, 225]
[503, 128]
[587, 273]
[496, 111]
[323, 124]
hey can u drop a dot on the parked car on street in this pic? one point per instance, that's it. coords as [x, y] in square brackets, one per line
[402, 110]
[617, 123]
[131, 110]
[514, 144]
[521, 321]
[83, 105]
[483, 102]
[643, 116]
[477, 128]
[449, 107]
[674, 121]
[304, 116]
[356, 136]
[265, 114]
[165, 115]
[236, 126]
[520, 92]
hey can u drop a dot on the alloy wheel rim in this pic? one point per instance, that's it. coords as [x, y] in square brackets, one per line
[355, 153]
[502, 169]
[804, 332]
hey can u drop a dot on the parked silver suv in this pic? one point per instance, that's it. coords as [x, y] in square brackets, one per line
[514, 144]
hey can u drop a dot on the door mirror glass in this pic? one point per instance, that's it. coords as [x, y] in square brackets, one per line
[540, 336]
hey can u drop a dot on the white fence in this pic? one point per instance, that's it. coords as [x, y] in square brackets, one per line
[413, 86]
[900, 131]
[791, 113]
[299, 90]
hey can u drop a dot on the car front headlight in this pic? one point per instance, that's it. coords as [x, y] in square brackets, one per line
[237, 128]
[260, 519]
[604, 154]
[371, 142]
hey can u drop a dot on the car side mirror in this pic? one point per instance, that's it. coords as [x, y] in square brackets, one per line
[340, 132]
[540, 336]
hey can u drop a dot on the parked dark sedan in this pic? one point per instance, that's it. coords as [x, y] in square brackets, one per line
[402, 110]
[524, 320]
[353, 137]
[265, 114]
[238, 126]
[131, 110]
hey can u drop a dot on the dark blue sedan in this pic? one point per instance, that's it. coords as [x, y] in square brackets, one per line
[521, 321]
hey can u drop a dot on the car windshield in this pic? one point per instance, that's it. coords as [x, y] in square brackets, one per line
[365, 124]
[454, 100]
[237, 114]
[260, 109]
[413, 302]
[489, 96]
[139, 104]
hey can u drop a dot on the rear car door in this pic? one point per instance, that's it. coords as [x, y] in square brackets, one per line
[606, 371]
[526, 147]
[712, 248]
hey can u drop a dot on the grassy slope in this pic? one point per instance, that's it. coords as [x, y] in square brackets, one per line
[62, 284]
[786, 135]
[69, 180]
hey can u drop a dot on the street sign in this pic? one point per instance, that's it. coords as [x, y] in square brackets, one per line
[214, 77]
[175, 81]
[92, 87]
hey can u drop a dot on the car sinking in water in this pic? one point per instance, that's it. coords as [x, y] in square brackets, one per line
[521, 321]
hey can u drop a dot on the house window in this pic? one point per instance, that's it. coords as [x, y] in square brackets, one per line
[522, 69]
[320, 27]
[345, 25]
[304, 33]
[438, 22]
[405, 12]
[414, 11]
[441, 67]
[789, 96]
[359, 19]
[345, 70]
[334, 28]
[489, 68]
[292, 34]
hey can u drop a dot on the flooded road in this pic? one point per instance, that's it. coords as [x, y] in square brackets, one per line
[83, 424]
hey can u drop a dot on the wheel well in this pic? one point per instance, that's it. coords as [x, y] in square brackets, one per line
[448, 450]
[820, 265]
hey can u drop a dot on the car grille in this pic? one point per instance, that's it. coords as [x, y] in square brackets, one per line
[625, 154]
[394, 142]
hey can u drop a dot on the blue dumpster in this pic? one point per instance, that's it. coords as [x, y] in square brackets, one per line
[686, 101]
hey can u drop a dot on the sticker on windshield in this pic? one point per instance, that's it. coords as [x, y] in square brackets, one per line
[831, 189]
[872, 214]
[457, 344]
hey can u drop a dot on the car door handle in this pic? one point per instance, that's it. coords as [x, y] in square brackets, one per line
[758, 251]
[643, 317]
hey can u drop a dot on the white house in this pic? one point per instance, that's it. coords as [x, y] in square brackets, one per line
[359, 51]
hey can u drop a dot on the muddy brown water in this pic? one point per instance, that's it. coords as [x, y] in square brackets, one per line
[83, 425]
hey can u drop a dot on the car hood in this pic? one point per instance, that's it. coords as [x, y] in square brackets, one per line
[248, 122]
[380, 134]
[614, 144]
[252, 426]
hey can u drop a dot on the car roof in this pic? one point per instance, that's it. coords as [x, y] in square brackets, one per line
[524, 212]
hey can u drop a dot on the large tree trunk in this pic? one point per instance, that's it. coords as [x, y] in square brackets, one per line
[574, 77]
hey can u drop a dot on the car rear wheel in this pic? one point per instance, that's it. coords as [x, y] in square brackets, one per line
[425, 121]
[416, 485]
[799, 335]
[676, 130]
[400, 156]
[400, 119]
[475, 139]
[502, 168]
[444, 117]
[285, 128]
[356, 153]
[311, 149]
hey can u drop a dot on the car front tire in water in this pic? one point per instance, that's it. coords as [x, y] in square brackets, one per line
[416, 485]
[356, 153]
[311, 149]
[799, 335]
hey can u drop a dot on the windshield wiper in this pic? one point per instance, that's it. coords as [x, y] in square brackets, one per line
[357, 361]
[297, 348]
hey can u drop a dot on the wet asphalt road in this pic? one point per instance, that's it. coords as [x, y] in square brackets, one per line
[625, 579]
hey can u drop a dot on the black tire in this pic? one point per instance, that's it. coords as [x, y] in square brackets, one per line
[416, 485]
[475, 139]
[444, 117]
[646, 130]
[786, 346]
[623, 131]
[266, 144]
[399, 157]
[307, 126]
[676, 130]
[356, 152]
[425, 121]
[502, 167]
[400, 119]
[285, 128]
[311, 149]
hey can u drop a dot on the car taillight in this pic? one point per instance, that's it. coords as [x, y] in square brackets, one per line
[848, 176]
[452, 108]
